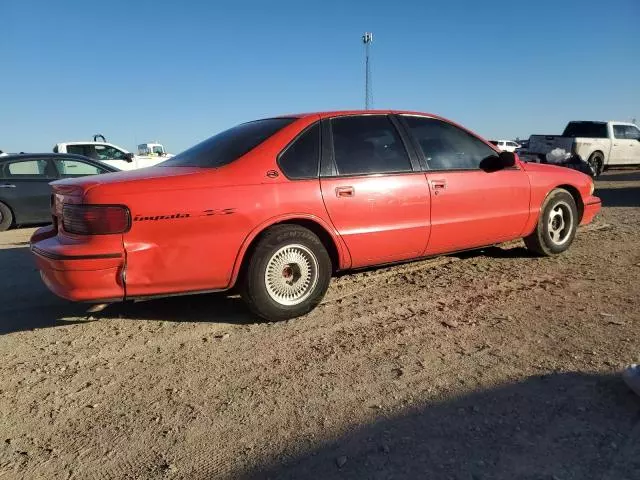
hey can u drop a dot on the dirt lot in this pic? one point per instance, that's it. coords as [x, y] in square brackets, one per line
[490, 364]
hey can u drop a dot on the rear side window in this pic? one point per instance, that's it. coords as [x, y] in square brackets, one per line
[301, 159]
[368, 144]
[229, 145]
[586, 129]
[447, 147]
[76, 149]
[28, 169]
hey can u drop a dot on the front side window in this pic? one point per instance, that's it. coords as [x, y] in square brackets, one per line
[620, 131]
[158, 150]
[75, 168]
[447, 147]
[368, 144]
[227, 146]
[632, 133]
[105, 152]
[301, 159]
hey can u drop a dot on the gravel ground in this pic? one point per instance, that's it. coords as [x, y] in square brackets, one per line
[486, 365]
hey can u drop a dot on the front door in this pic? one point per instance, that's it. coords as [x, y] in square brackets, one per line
[376, 197]
[472, 205]
[632, 155]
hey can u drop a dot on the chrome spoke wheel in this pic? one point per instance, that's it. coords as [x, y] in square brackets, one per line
[560, 223]
[291, 274]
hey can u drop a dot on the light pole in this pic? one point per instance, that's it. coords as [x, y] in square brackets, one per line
[367, 39]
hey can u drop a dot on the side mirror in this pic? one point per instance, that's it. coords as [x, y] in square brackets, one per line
[128, 157]
[507, 159]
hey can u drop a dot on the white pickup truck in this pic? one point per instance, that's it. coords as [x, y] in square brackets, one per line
[601, 144]
[149, 154]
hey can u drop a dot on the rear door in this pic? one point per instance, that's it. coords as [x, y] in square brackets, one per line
[472, 203]
[620, 146]
[374, 192]
[24, 186]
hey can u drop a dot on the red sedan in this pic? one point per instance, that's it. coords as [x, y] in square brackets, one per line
[276, 206]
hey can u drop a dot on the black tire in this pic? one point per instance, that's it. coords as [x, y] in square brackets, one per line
[596, 162]
[287, 251]
[6, 217]
[550, 238]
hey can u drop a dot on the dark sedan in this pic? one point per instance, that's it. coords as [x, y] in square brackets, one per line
[25, 194]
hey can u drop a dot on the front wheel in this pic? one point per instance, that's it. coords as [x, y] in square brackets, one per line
[287, 274]
[556, 226]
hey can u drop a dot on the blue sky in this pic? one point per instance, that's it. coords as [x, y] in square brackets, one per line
[177, 72]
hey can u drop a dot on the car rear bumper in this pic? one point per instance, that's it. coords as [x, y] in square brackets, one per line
[591, 207]
[71, 272]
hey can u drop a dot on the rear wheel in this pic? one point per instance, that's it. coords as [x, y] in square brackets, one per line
[6, 217]
[596, 162]
[557, 225]
[287, 274]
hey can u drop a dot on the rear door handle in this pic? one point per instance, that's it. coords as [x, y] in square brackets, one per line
[345, 191]
[7, 185]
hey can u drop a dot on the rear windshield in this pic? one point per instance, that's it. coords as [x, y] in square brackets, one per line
[586, 129]
[227, 146]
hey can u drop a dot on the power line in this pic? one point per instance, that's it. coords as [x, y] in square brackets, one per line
[367, 39]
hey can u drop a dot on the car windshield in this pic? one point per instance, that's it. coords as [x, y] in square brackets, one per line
[227, 146]
[586, 129]
[158, 149]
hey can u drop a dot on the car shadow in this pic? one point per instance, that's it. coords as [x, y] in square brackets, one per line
[619, 197]
[556, 426]
[623, 175]
[27, 304]
[211, 307]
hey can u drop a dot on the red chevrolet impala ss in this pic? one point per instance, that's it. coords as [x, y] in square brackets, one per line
[276, 206]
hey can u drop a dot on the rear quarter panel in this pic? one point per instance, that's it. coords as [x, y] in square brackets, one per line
[585, 147]
[189, 233]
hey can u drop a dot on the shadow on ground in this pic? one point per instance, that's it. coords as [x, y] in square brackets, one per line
[559, 426]
[619, 197]
[623, 175]
[26, 304]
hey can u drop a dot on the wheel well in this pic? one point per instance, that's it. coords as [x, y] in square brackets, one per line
[598, 152]
[13, 214]
[319, 230]
[576, 197]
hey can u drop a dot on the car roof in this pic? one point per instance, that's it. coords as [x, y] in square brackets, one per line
[344, 113]
[72, 156]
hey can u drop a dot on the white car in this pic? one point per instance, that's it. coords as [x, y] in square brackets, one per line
[506, 145]
[105, 152]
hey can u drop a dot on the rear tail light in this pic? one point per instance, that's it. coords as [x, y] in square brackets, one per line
[96, 219]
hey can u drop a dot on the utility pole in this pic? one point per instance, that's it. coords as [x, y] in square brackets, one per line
[367, 39]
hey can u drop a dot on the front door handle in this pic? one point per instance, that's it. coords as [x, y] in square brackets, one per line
[439, 184]
[7, 185]
[345, 191]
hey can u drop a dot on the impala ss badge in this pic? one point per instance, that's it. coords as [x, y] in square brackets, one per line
[204, 213]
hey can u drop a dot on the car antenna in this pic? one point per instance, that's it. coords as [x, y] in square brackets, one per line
[99, 135]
